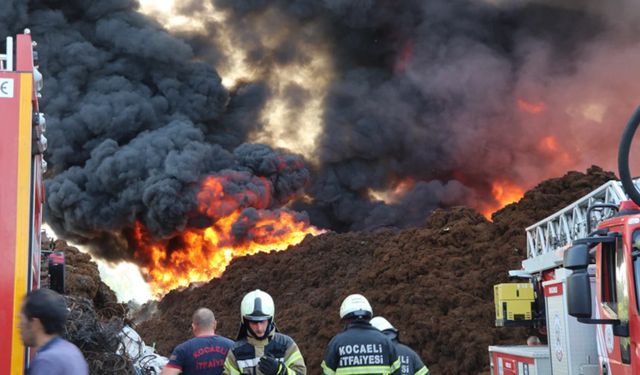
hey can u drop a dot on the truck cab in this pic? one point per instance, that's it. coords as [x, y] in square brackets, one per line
[614, 251]
[583, 263]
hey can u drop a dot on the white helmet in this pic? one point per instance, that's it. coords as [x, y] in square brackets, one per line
[355, 305]
[257, 306]
[382, 324]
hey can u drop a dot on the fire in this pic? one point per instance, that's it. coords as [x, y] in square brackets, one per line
[549, 146]
[533, 108]
[549, 143]
[504, 192]
[397, 191]
[241, 226]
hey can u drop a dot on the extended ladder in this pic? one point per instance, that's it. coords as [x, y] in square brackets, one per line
[548, 238]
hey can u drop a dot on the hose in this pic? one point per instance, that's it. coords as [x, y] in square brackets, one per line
[623, 157]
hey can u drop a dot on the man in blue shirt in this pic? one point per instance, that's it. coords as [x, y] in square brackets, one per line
[42, 320]
[203, 354]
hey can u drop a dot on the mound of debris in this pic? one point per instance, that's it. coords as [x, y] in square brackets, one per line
[434, 283]
[82, 279]
[97, 323]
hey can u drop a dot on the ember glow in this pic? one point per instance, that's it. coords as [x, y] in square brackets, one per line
[549, 146]
[241, 225]
[504, 193]
[530, 107]
[395, 193]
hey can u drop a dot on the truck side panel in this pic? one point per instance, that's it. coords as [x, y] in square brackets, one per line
[16, 210]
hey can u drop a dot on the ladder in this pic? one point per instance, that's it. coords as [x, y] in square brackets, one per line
[548, 238]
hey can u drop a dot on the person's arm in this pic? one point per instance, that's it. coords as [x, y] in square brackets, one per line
[294, 361]
[230, 365]
[394, 367]
[419, 366]
[330, 362]
[176, 362]
[170, 370]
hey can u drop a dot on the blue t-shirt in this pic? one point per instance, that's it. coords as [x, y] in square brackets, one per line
[201, 355]
[58, 357]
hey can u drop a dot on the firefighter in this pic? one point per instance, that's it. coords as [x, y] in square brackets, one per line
[203, 354]
[360, 348]
[260, 349]
[410, 362]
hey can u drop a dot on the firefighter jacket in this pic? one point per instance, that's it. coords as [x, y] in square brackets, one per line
[360, 349]
[410, 362]
[244, 356]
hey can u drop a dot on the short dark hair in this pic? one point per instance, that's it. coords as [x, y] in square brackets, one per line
[49, 307]
[203, 318]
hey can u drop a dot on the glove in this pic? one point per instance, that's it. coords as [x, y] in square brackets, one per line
[271, 366]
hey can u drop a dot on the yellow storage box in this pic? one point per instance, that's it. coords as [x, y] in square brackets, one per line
[514, 304]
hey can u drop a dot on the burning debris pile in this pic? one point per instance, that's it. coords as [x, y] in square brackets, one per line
[352, 115]
[97, 337]
[82, 279]
[435, 283]
[97, 323]
[355, 115]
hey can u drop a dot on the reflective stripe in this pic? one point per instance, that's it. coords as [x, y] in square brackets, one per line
[364, 370]
[293, 357]
[395, 365]
[232, 370]
[326, 370]
[423, 371]
[253, 362]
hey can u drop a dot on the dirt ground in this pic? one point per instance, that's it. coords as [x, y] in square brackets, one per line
[434, 283]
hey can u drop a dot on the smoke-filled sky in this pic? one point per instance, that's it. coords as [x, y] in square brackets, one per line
[423, 103]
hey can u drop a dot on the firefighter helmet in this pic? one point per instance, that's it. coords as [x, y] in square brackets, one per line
[257, 306]
[355, 306]
[382, 324]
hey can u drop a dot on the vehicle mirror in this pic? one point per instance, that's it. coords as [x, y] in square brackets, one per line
[576, 257]
[579, 294]
[621, 330]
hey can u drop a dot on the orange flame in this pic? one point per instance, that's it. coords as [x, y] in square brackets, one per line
[549, 143]
[398, 189]
[504, 192]
[198, 255]
[549, 146]
[533, 108]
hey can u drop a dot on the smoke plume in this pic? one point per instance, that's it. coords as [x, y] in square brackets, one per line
[415, 105]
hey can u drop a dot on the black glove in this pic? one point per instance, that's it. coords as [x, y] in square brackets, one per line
[271, 366]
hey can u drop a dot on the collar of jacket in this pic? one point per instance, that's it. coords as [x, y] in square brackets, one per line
[360, 324]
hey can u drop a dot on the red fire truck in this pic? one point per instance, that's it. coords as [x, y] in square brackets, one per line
[21, 191]
[583, 289]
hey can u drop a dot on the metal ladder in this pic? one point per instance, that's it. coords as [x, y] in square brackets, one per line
[547, 239]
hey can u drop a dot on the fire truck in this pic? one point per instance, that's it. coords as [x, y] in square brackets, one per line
[22, 145]
[583, 285]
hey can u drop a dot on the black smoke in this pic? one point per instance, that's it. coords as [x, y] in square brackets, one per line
[431, 92]
[421, 91]
[135, 122]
